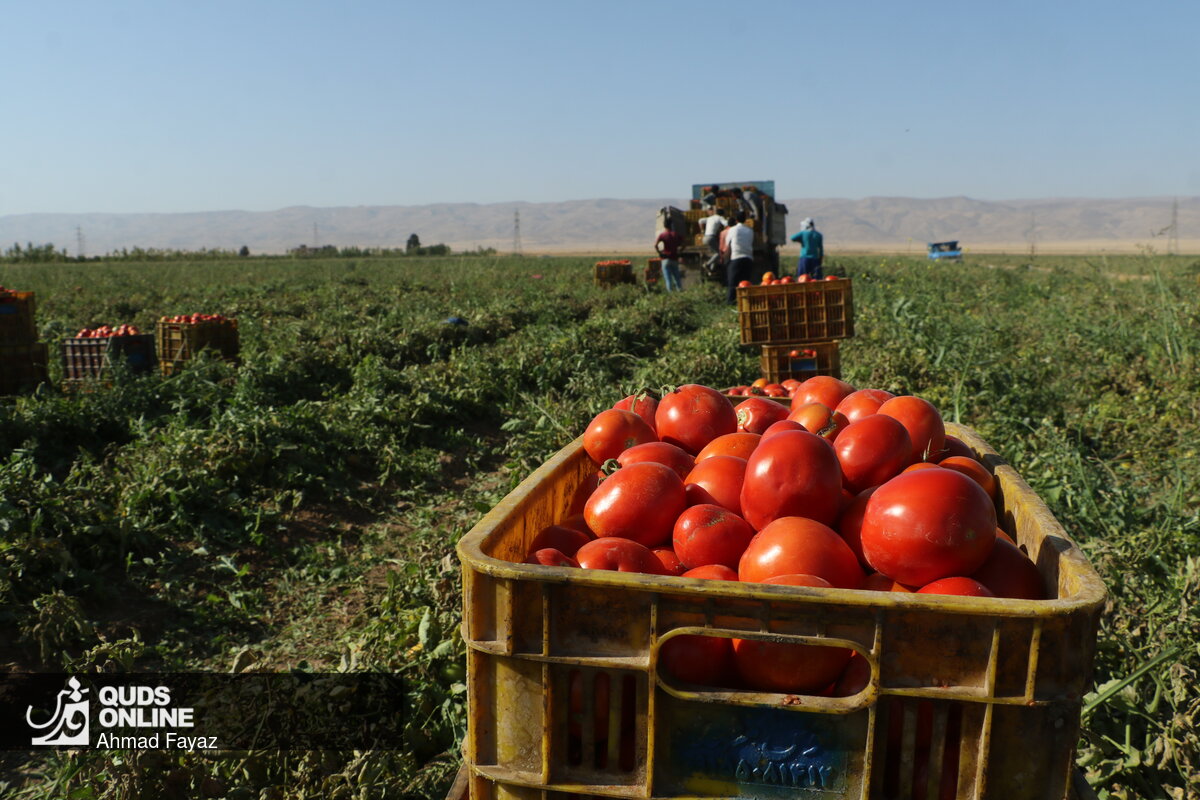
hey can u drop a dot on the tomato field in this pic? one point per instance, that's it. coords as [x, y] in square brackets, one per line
[299, 509]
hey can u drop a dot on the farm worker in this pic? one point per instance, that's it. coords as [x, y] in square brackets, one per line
[710, 197]
[667, 244]
[812, 250]
[740, 245]
[712, 225]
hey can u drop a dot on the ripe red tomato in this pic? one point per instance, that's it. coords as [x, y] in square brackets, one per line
[1009, 573]
[920, 465]
[954, 447]
[800, 546]
[642, 404]
[790, 385]
[775, 390]
[709, 534]
[738, 445]
[744, 284]
[756, 414]
[638, 502]
[717, 480]
[786, 667]
[711, 572]
[921, 420]
[669, 560]
[819, 419]
[549, 557]
[872, 450]
[965, 587]
[583, 492]
[794, 473]
[577, 522]
[618, 555]
[855, 677]
[694, 415]
[850, 523]
[878, 582]
[863, 403]
[926, 525]
[780, 427]
[561, 538]
[612, 432]
[973, 470]
[701, 660]
[824, 389]
[660, 453]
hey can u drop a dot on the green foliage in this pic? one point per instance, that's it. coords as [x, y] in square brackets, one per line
[300, 509]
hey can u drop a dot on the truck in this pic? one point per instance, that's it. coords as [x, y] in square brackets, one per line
[945, 251]
[763, 214]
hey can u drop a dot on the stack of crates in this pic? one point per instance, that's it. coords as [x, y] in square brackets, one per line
[969, 697]
[179, 342]
[653, 272]
[87, 359]
[23, 360]
[798, 326]
[613, 273]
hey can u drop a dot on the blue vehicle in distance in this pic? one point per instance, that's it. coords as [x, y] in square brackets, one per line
[945, 251]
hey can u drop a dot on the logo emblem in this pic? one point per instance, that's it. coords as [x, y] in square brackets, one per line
[70, 721]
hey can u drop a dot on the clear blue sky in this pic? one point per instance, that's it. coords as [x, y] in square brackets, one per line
[167, 106]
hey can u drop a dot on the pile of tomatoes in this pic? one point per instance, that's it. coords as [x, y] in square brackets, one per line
[621, 263]
[105, 332]
[197, 319]
[769, 279]
[847, 489]
[6, 292]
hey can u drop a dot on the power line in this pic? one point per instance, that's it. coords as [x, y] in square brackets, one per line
[517, 233]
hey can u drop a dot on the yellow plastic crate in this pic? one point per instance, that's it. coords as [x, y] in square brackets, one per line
[796, 312]
[778, 365]
[1008, 674]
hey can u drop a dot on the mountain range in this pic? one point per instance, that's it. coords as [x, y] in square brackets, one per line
[613, 225]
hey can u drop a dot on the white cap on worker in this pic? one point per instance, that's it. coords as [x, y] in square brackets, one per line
[807, 223]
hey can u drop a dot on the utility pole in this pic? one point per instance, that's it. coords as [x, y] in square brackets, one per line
[316, 241]
[516, 233]
[1031, 236]
[1173, 236]
[79, 242]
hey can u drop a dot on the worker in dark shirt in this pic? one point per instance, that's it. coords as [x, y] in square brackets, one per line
[667, 244]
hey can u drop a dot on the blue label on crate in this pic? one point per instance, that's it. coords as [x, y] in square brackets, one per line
[804, 364]
[761, 752]
[7, 309]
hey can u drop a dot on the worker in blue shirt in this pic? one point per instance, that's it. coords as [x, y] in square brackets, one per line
[812, 250]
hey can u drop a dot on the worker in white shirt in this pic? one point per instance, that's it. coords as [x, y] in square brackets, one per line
[712, 226]
[739, 243]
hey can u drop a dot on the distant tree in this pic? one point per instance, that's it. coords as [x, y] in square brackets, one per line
[414, 243]
[245, 251]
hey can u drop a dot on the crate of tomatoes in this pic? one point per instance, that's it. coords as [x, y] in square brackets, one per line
[93, 352]
[705, 596]
[182, 336]
[612, 273]
[786, 310]
[17, 327]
